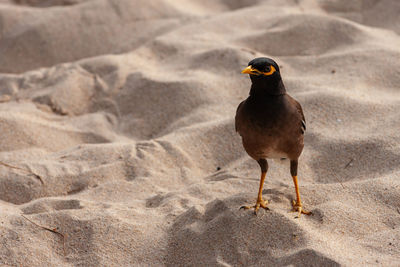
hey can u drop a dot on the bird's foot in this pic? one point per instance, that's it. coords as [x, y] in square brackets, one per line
[299, 208]
[260, 203]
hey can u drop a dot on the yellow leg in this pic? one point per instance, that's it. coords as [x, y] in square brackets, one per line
[297, 206]
[260, 202]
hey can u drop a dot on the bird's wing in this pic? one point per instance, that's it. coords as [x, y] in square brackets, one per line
[300, 111]
[303, 119]
[236, 117]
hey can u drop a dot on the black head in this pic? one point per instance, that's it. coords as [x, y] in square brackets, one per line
[262, 66]
[265, 76]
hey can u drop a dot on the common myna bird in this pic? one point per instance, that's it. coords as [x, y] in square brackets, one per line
[271, 124]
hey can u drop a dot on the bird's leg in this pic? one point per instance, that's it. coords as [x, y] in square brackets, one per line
[260, 202]
[297, 206]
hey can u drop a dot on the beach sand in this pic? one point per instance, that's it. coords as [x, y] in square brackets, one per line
[120, 118]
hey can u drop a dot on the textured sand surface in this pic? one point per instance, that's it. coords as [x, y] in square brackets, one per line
[125, 111]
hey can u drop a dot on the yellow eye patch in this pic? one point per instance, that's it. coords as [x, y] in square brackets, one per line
[251, 70]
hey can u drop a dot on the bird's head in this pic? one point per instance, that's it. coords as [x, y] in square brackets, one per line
[262, 68]
[265, 76]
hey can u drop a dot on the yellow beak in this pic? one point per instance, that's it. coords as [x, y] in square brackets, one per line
[251, 70]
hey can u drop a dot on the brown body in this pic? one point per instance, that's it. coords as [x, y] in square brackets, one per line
[271, 127]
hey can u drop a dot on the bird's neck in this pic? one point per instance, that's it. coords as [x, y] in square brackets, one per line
[264, 87]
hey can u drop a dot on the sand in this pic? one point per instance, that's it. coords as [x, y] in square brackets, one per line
[120, 118]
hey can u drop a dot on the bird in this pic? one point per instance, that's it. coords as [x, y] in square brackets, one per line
[271, 124]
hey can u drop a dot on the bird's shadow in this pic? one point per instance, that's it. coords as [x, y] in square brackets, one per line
[223, 234]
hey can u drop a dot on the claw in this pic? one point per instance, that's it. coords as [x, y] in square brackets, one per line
[256, 207]
[299, 208]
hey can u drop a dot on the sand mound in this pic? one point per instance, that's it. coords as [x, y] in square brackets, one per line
[44, 37]
[223, 236]
[119, 118]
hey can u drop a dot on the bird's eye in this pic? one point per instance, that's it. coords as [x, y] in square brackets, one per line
[267, 68]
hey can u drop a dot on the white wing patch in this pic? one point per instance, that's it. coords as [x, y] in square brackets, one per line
[303, 126]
